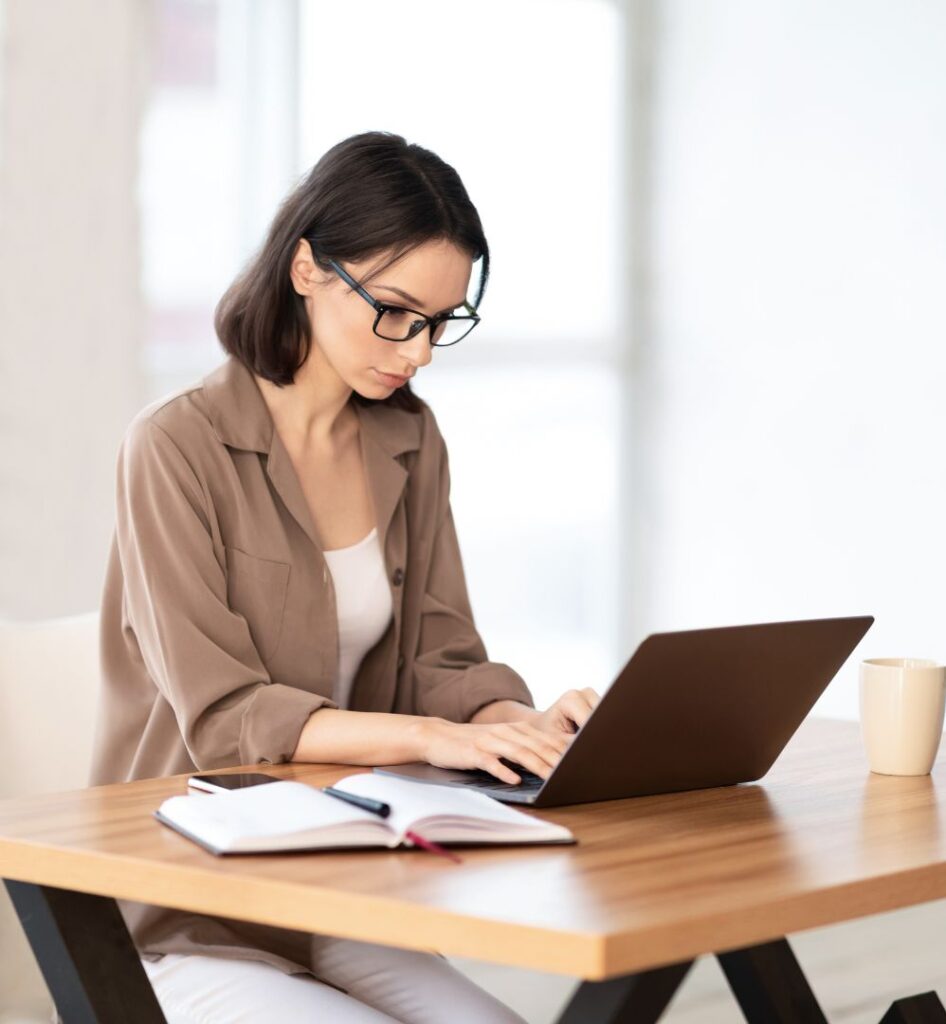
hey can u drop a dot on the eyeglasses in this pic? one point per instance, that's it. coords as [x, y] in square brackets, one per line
[395, 323]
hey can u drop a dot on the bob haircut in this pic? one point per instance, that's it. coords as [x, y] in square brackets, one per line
[368, 194]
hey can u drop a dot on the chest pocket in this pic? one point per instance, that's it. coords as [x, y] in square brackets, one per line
[256, 588]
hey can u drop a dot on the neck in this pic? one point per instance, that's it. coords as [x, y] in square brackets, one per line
[314, 411]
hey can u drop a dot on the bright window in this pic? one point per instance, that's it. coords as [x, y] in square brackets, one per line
[530, 404]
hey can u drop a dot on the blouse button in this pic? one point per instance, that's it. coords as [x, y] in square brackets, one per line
[398, 577]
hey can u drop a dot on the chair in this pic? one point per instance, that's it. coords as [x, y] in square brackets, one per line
[49, 681]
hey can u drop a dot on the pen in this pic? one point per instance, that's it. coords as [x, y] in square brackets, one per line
[383, 810]
[365, 803]
[427, 844]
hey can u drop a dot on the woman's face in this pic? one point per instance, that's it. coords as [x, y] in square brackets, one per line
[435, 276]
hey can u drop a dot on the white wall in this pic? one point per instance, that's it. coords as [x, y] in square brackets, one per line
[798, 319]
[70, 310]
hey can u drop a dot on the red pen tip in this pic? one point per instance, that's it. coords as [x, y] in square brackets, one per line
[432, 847]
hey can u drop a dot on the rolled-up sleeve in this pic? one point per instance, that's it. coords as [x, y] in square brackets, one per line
[197, 650]
[453, 676]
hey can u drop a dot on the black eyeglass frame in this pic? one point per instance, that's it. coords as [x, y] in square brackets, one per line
[382, 307]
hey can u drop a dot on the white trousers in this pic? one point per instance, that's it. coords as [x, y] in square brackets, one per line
[385, 986]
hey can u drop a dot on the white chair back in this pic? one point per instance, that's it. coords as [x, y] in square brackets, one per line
[49, 682]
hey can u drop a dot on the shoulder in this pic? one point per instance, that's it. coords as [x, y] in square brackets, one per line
[173, 431]
[175, 416]
[223, 408]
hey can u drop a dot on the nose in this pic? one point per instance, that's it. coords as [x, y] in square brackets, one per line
[417, 350]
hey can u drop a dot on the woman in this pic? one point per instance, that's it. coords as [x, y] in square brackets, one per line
[285, 580]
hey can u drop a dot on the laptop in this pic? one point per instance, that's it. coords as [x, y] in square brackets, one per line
[690, 710]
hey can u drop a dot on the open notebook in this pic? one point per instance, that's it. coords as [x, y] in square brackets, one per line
[288, 815]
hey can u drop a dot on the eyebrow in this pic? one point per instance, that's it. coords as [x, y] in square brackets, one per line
[417, 302]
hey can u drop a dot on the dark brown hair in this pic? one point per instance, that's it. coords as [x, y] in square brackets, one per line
[369, 193]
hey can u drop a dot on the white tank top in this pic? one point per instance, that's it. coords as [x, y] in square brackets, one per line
[363, 603]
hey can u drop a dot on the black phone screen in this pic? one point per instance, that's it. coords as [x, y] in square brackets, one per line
[239, 780]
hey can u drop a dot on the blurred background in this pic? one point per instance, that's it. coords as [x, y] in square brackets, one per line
[707, 385]
[706, 389]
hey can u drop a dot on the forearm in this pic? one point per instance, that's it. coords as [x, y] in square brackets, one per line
[333, 736]
[503, 711]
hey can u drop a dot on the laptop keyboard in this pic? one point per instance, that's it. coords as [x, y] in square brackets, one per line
[486, 780]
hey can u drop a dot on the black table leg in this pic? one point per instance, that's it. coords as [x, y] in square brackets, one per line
[630, 999]
[766, 980]
[86, 955]
[922, 1009]
[770, 985]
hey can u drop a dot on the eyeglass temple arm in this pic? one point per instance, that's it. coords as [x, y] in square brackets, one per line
[352, 283]
[344, 275]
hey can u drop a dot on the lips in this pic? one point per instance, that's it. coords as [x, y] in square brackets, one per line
[397, 376]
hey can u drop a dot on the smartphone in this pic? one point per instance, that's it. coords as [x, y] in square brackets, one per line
[222, 783]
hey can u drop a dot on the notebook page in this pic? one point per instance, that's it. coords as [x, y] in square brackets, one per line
[413, 802]
[258, 812]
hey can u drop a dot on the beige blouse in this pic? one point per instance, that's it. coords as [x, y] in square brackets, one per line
[219, 632]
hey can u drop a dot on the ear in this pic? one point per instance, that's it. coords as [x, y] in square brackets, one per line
[303, 272]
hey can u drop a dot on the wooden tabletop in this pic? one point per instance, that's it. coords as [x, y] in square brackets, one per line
[652, 879]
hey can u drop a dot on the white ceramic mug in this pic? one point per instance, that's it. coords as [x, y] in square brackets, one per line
[902, 703]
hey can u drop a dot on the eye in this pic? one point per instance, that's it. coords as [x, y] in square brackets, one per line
[396, 314]
[399, 324]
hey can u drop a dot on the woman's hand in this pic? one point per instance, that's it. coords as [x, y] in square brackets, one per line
[568, 714]
[468, 745]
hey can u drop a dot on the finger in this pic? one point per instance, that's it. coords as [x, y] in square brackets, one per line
[525, 756]
[495, 767]
[560, 739]
[576, 706]
[592, 695]
[556, 725]
[551, 744]
[548, 745]
[496, 744]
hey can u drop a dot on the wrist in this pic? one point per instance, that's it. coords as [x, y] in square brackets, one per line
[422, 733]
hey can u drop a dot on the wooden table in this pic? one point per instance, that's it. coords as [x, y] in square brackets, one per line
[653, 883]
